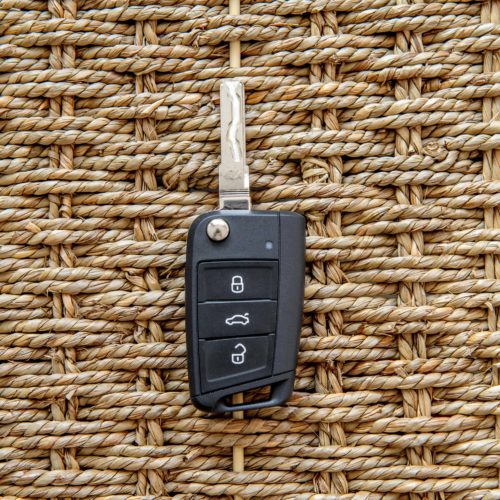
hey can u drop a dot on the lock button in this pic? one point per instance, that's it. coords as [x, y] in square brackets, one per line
[237, 280]
[227, 362]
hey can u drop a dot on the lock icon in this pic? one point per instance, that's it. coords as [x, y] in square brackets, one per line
[238, 358]
[237, 285]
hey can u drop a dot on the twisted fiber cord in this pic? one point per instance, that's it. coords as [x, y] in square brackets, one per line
[328, 376]
[412, 345]
[149, 431]
[64, 306]
[491, 171]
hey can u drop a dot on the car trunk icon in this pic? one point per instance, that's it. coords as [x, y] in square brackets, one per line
[238, 319]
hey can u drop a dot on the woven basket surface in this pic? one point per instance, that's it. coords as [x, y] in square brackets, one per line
[376, 119]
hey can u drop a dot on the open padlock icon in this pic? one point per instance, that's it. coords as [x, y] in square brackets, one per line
[238, 358]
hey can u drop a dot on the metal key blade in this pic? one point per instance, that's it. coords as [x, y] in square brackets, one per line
[234, 179]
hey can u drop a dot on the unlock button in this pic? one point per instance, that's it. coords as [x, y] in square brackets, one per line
[237, 360]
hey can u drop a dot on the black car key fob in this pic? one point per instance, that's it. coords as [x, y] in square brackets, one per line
[244, 287]
[244, 306]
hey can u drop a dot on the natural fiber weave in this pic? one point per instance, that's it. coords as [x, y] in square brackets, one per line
[376, 119]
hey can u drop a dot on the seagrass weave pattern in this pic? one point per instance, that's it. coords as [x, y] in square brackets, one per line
[377, 119]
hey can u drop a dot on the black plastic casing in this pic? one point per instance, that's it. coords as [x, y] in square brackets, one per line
[254, 235]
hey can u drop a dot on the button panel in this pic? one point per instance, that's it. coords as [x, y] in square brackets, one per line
[225, 313]
[237, 280]
[236, 318]
[227, 362]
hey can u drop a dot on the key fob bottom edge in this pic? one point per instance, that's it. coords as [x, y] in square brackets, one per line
[281, 390]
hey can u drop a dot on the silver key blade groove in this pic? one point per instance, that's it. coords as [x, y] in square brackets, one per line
[234, 179]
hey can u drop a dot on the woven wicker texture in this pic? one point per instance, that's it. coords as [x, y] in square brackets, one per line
[374, 118]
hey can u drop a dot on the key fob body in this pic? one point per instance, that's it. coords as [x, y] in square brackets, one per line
[244, 300]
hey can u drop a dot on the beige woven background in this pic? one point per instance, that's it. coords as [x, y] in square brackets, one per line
[376, 119]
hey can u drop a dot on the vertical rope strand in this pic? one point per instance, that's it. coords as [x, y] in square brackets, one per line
[411, 346]
[57, 408]
[328, 377]
[235, 62]
[234, 45]
[149, 431]
[64, 305]
[490, 13]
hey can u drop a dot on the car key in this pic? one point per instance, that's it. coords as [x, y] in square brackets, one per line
[244, 285]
